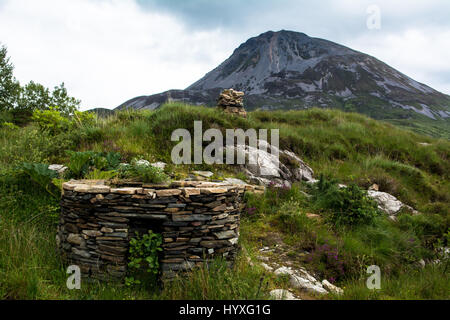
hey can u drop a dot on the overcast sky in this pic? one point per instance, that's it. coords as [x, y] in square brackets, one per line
[108, 51]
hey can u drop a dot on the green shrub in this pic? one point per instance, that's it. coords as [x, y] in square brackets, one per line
[344, 206]
[83, 119]
[9, 125]
[429, 228]
[292, 220]
[100, 162]
[273, 198]
[79, 163]
[41, 175]
[97, 174]
[143, 257]
[51, 120]
[143, 172]
[113, 159]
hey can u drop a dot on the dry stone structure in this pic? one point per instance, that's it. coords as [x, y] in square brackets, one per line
[232, 101]
[198, 221]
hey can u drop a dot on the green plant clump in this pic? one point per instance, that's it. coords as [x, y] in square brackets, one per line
[143, 172]
[143, 257]
[345, 206]
[41, 175]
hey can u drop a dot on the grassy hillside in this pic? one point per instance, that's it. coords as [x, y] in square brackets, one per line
[348, 147]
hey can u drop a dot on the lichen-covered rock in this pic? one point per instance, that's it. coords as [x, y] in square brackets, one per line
[281, 294]
[388, 203]
[331, 287]
[267, 165]
[300, 279]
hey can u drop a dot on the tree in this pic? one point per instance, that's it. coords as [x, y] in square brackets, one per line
[34, 96]
[21, 102]
[67, 105]
[9, 86]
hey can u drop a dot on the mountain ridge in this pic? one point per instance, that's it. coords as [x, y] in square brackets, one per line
[290, 70]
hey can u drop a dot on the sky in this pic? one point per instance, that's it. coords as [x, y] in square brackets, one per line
[109, 51]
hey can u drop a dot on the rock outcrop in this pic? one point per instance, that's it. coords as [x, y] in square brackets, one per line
[301, 279]
[388, 203]
[272, 167]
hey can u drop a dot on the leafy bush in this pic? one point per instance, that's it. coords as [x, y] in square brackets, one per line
[346, 206]
[143, 256]
[292, 219]
[90, 164]
[83, 119]
[273, 198]
[429, 228]
[41, 175]
[9, 125]
[143, 172]
[51, 120]
[79, 163]
[101, 175]
[113, 159]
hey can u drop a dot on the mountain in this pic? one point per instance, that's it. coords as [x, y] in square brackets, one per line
[290, 70]
[102, 112]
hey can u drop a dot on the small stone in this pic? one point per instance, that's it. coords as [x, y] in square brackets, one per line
[92, 233]
[422, 263]
[266, 267]
[191, 192]
[168, 193]
[313, 216]
[81, 253]
[99, 189]
[332, 288]
[205, 174]
[225, 235]
[223, 207]
[213, 190]
[159, 165]
[127, 190]
[281, 294]
[75, 239]
[58, 168]
[107, 230]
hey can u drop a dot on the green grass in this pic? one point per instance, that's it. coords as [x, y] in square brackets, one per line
[432, 282]
[348, 146]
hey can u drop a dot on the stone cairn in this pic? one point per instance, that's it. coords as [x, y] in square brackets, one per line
[232, 102]
[199, 221]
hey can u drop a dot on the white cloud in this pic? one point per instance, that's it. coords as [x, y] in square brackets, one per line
[421, 54]
[106, 51]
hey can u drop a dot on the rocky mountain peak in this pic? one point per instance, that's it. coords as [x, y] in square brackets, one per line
[291, 70]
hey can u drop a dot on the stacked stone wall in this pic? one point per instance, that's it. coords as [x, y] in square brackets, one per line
[199, 221]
